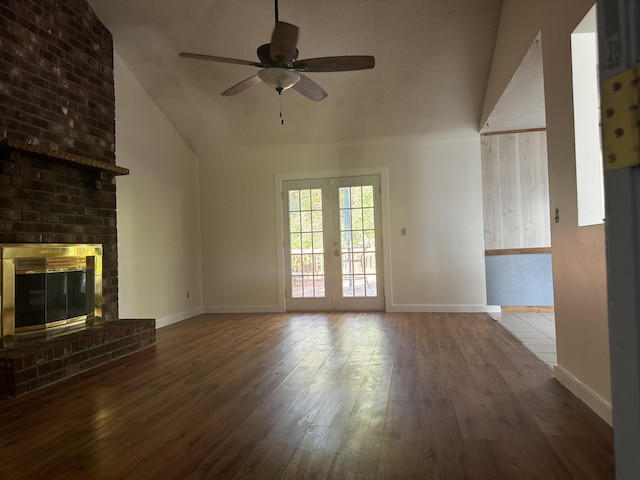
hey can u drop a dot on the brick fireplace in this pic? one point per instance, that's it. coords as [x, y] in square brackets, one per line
[57, 147]
[57, 130]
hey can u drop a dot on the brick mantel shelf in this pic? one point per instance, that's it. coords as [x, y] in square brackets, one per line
[77, 160]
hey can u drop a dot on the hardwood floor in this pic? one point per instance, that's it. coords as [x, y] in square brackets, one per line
[294, 396]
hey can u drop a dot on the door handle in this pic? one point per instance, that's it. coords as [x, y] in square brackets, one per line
[336, 252]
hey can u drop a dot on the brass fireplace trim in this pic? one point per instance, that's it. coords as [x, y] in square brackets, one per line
[40, 257]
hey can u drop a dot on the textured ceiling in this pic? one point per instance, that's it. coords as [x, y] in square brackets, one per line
[432, 63]
[521, 106]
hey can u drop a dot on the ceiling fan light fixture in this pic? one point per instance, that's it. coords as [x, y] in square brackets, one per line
[279, 79]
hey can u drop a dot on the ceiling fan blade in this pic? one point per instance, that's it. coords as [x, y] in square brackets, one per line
[335, 64]
[199, 56]
[243, 85]
[283, 42]
[309, 89]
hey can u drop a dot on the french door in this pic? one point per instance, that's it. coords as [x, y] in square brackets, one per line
[333, 244]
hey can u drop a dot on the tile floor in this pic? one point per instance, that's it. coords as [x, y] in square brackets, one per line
[537, 331]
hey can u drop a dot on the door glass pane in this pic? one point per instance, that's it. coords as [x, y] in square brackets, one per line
[357, 237]
[306, 255]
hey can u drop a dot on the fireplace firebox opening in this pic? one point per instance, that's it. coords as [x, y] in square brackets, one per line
[48, 289]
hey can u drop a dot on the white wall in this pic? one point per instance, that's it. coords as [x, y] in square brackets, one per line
[434, 192]
[159, 245]
[579, 275]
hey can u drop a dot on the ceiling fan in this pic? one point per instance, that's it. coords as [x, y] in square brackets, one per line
[280, 68]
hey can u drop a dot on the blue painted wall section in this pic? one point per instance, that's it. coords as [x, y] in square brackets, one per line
[519, 280]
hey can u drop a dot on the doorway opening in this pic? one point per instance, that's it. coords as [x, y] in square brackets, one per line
[333, 244]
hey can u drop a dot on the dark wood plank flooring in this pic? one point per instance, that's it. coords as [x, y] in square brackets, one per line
[315, 396]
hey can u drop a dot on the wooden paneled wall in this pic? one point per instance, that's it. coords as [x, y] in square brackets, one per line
[515, 188]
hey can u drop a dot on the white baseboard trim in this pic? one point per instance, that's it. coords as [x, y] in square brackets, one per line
[493, 309]
[445, 308]
[392, 308]
[178, 317]
[243, 309]
[594, 401]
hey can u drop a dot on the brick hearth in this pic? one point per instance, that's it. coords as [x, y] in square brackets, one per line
[35, 364]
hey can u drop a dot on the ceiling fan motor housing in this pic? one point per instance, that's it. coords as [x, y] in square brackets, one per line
[264, 54]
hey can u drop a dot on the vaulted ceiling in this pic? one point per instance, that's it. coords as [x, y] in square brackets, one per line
[432, 62]
[521, 105]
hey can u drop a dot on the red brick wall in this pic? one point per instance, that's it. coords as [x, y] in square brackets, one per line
[57, 92]
[56, 77]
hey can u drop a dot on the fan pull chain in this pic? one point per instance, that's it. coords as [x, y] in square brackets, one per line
[281, 108]
[276, 5]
